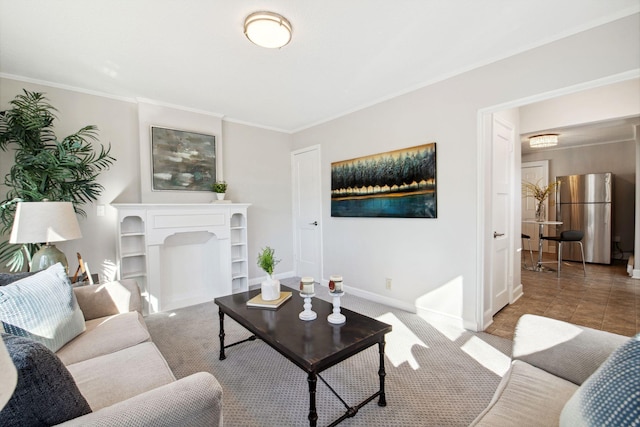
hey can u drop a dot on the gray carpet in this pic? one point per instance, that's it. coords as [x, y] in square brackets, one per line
[432, 378]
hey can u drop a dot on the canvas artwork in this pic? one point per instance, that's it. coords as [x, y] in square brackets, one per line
[396, 184]
[182, 160]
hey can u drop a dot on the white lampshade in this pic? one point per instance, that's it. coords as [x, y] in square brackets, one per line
[44, 222]
[540, 141]
[8, 375]
[267, 29]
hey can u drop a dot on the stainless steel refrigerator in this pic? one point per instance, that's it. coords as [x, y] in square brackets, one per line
[583, 202]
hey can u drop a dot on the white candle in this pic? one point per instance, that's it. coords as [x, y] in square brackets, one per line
[335, 284]
[306, 285]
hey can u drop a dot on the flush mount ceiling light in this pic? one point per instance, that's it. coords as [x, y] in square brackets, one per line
[540, 141]
[267, 29]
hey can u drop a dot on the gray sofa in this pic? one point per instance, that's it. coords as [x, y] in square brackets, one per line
[121, 373]
[551, 360]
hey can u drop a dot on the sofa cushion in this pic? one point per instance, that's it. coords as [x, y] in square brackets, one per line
[527, 396]
[105, 335]
[42, 307]
[46, 393]
[6, 278]
[114, 377]
[611, 396]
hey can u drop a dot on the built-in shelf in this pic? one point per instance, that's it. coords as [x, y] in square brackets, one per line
[143, 230]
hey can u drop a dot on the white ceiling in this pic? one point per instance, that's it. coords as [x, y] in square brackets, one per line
[345, 54]
[604, 132]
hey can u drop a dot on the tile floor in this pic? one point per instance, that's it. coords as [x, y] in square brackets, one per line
[607, 298]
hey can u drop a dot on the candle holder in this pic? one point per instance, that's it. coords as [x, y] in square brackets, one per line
[336, 317]
[307, 314]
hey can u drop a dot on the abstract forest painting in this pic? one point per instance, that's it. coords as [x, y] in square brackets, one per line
[395, 184]
[182, 160]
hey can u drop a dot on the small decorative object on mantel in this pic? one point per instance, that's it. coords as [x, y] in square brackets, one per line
[306, 292]
[267, 261]
[540, 193]
[335, 290]
[220, 188]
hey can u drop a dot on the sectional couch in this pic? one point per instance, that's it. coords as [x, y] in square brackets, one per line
[121, 373]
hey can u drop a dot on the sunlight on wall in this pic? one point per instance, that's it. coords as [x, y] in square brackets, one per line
[400, 342]
[109, 271]
[487, 356]
[451, 331]
[445, 299]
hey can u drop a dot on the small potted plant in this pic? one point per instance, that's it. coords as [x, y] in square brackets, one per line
[267, 261]
[220, 188]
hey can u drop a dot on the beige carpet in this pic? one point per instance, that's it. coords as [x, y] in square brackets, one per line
[437, 375]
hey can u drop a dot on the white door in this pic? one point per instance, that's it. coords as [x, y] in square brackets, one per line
[535, 173]
[502, 158]
[307, 212]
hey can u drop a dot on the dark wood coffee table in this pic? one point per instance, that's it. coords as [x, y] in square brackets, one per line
[313, 345]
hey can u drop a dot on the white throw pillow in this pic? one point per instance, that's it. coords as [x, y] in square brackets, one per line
[42, 307]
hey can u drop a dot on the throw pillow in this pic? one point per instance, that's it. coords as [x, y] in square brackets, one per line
[42, 307]
[6, 278]
[46, 393]
[611, 396]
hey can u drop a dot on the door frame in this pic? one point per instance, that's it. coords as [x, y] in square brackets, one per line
[483, 188]
[294, 182]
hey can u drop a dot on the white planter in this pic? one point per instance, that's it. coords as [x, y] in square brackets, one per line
[270, 289]
[220, 196]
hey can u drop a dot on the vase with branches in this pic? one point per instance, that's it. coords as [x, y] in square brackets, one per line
[44, 166]
[540, 193]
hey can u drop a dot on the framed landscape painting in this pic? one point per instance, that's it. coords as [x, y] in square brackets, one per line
[395, 184]
[182, 160]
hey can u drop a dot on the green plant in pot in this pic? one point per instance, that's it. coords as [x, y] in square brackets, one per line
[44, 167]
[220, 188]
[270, 288]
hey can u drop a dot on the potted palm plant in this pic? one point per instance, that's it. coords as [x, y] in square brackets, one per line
[270, 288]
[45, 167]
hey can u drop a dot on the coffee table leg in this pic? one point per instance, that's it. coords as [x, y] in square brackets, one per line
[381, 373]
[221, 334]
[313, 415]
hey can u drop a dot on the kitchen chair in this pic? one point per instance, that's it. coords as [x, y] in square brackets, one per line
[526, 236]
[568, 236]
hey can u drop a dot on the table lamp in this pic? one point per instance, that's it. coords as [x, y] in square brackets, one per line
[8, 375]
[45, 222]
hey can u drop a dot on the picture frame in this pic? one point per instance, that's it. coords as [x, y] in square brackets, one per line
[182, 160]
[394, 184]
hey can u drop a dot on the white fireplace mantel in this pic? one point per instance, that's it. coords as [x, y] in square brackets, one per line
[183, 254]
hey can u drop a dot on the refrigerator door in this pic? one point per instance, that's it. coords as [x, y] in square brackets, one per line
[594, 219]
[591, 188]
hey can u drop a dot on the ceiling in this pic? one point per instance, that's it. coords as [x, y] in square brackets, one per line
[604, 132]
[345, 55]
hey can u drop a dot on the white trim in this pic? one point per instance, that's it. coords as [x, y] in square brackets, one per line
[122, 98]
[256, 125]
[391, 302]
[179, 107]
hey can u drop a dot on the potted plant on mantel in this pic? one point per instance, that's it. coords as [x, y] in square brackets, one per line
[220, 188]
[540, 193]
[267, 261]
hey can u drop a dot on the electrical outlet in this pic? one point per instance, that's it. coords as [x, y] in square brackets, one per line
[388, 283]
[100, 210]
[616, 239]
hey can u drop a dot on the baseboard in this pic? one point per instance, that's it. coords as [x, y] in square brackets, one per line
[442, 318]
[392, 302]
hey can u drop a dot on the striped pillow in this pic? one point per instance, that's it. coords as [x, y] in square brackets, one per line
[42, 307]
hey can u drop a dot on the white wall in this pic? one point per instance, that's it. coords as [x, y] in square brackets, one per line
[255, 162]
[426, 255]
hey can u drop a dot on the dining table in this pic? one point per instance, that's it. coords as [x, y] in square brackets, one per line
[541, 225]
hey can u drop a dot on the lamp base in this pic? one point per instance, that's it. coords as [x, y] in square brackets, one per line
[47, 256]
